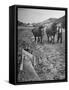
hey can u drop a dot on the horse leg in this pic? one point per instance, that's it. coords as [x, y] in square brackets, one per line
[48, 38]
[38, 39]
[35, 38]
[53, 39]
[41, 39]
[58, 39]
[61, 39]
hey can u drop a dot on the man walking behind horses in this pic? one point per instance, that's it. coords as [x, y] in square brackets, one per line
[59, 36]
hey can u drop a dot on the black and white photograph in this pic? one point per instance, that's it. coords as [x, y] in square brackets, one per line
[41, 45]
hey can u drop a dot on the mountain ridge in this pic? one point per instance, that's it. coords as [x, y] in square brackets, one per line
[46, 22]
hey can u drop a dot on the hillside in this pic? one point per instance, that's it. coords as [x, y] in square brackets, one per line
[61, 20]
[50, 21]
[21, 23]
[45, 22]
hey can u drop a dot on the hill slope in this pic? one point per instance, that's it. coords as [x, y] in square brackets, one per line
[61, 20]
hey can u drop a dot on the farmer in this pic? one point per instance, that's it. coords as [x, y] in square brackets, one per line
[59, 34]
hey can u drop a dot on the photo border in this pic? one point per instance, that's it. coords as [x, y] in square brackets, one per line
[16, 31]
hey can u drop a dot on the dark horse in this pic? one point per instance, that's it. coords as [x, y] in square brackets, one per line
[37, 32]
[51, 31]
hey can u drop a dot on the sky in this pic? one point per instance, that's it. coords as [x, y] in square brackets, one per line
[37, 15]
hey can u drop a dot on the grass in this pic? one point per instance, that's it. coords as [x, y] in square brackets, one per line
[50, 65]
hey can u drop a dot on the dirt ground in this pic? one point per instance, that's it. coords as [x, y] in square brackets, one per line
[50, 57]
[52, 63]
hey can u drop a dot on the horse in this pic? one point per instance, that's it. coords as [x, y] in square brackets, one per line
[37, 32]
[51, 32]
